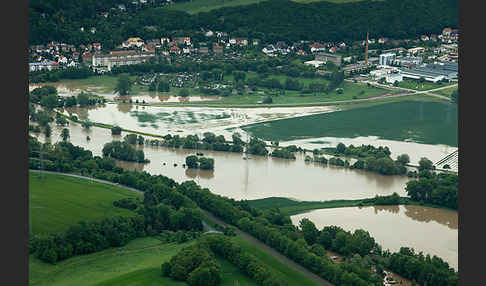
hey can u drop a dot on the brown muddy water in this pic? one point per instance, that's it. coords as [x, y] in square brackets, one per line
[415, 150]
[431, 230]
[72, 89]
[258, 177]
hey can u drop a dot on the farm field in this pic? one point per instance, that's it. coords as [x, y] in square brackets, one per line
[418, 121]
[57, 201]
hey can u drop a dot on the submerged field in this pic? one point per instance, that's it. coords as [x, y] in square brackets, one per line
[58, 201]
[417, 121]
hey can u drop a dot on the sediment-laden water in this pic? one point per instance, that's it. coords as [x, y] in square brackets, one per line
[431, 230]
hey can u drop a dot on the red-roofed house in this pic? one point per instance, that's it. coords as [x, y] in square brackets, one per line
[446, 31]
[97, 46]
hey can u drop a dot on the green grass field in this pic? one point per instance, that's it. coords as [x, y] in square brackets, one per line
[416, 85]
[428, 122]
[142, 254]
[350, 91]
[57, 201]
[447, 91]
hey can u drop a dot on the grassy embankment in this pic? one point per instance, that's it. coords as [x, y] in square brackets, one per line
[58, 201]
[292, 207]
[428, 122]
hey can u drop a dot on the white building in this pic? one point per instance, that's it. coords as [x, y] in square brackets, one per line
[387, 59]
[314, 63]
[393, 77]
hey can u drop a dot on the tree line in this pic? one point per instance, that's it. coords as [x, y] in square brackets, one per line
[58, 74]
[438, 189]
[269, 226]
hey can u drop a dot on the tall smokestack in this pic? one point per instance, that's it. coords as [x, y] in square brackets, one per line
[366, 50]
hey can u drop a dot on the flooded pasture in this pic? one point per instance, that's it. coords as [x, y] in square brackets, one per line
[431, 230]
[185, 120]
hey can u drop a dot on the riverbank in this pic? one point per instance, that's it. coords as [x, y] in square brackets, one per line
[292, 207]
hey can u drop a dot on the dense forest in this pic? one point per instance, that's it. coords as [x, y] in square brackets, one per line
[270, 21]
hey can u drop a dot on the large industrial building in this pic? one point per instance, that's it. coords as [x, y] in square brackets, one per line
[387, 59]
[325, 57]
[432, 72]
[119, 58]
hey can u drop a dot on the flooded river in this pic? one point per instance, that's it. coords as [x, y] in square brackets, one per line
[431, 230]
[258, 177]
[415, 150]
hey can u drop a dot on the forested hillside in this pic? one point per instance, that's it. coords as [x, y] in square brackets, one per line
[54, 20]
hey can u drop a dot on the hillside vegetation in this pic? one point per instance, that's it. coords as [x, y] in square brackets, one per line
[268, 20]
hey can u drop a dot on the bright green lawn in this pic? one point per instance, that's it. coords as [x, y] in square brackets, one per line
[57, 201]
[428, 122]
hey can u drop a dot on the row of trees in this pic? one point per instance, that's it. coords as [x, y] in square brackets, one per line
[439, 189]
[276, 230]
[47, 96]
[123, 151]
[87, 237]
[194, 264]
[58, 74]
[195, 162]
[247, 263]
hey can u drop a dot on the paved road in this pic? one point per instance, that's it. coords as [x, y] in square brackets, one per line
[244, 235]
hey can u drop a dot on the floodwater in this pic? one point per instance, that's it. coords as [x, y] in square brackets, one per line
[256, 178]
[414, 150]
[186, 120]
[64, 89]
[431, 230]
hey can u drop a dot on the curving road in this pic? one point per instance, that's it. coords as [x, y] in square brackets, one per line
[244, 235]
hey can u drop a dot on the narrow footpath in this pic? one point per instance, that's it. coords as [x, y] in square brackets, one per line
[244, 235]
